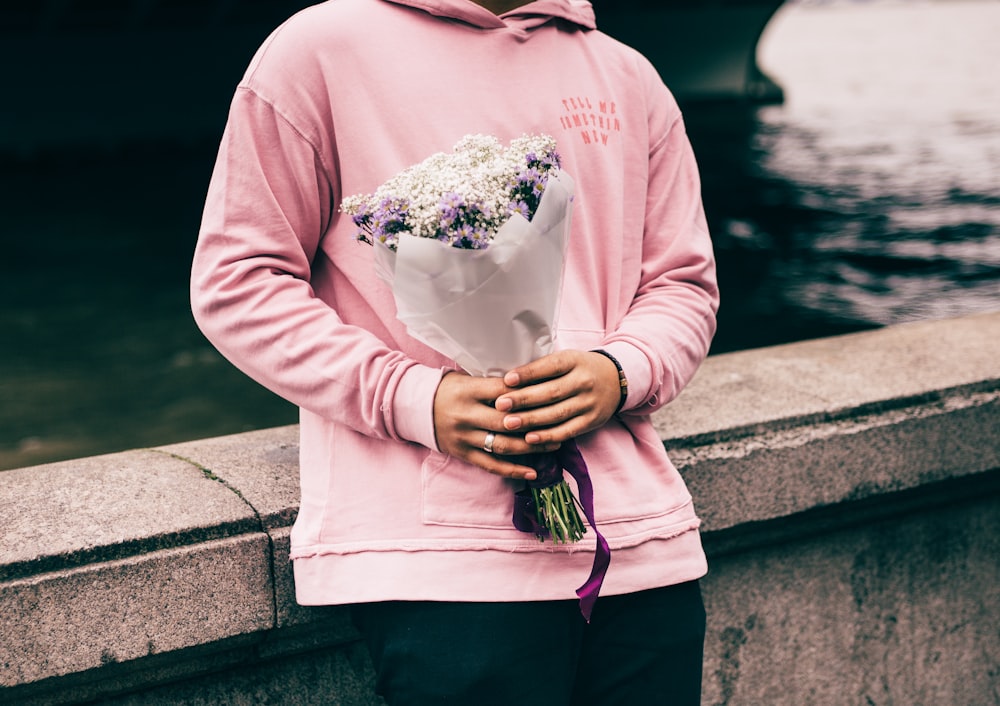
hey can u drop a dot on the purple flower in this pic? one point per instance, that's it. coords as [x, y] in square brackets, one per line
[452, 199]
[383, 222]
[480, 239]
[529, 176]
[391, 240]
[519, 207]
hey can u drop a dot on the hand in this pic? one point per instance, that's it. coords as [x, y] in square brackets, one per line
[560, 396]
[464, 414]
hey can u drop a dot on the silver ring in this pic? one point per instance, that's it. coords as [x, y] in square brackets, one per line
[488, 443]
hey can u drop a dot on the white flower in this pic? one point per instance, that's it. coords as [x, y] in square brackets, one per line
[479, 170]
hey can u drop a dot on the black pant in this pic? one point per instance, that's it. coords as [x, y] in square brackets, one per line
[642, 648]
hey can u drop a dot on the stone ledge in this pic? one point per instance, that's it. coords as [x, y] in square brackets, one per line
[84, 618]
[102, 508]
[148, 557]
[205, 666]
[747, 392]
[777, 474]
[261, 467]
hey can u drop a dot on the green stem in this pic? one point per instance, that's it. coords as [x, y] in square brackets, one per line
[556, 510]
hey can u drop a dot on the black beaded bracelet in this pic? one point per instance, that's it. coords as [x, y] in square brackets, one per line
[622, 380]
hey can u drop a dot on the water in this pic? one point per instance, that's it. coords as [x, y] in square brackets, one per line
[871, 197]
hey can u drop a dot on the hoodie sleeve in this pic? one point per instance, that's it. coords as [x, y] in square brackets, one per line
[269, 201]
[667, 331]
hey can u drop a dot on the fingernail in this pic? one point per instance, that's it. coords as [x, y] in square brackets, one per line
[504, 404]
[511, 379]
[512, 423]
[532, 438]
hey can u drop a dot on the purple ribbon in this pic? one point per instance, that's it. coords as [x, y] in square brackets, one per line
[550, 467]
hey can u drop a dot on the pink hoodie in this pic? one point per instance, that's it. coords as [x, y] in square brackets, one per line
[341, 97]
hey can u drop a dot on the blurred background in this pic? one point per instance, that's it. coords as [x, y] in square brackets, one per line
[869, 195]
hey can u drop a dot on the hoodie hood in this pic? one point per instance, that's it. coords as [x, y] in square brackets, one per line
[524, 18]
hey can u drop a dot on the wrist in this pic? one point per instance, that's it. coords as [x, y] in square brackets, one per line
[622, 380]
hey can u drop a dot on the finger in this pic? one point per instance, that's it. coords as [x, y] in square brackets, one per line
[544, 368]
[545, 416]
[503, 444]
[487, 389]
[545, 394]
[498, 466]
[545, 429]
[556, 436]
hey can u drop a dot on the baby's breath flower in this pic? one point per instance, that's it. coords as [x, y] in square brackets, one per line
[461, 197]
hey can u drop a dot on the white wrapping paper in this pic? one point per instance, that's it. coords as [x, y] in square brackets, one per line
[489, 310]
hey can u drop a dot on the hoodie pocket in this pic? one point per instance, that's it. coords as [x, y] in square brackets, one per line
[457, 494]
[633, 478]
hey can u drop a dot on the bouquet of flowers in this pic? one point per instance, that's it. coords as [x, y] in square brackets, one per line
[474, 237]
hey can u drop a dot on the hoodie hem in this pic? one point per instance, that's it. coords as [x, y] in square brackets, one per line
[486, 575]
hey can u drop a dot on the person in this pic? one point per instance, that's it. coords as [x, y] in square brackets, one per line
[407, 464]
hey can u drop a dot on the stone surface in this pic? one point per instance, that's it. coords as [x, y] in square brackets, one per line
[262, 465]
[341, 677]
[80, 619]
[107, 507]
[749, 390]
[289, 613]
[775, 475]
[902, 611]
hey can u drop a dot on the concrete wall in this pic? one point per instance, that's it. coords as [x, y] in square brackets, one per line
[848, 485]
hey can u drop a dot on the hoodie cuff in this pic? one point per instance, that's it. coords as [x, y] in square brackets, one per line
[413, 405]
[637, 371]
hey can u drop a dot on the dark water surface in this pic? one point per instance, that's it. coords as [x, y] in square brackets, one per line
[871, 197]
